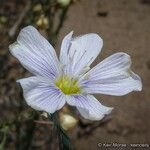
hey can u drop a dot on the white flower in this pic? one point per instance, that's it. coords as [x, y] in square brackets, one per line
[70, 78]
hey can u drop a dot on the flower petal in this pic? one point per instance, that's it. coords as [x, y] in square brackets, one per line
[112, 76]
[82, 53]
[42, 95]
[65, 46]
[35, 53]
[89, 107]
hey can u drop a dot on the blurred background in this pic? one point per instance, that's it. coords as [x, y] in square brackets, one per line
[124, 25]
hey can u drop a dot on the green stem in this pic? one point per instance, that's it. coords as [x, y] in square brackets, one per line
[5, 130]
[64, 141]
[3, 143]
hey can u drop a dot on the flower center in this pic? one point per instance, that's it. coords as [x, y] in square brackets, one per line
[68, 85]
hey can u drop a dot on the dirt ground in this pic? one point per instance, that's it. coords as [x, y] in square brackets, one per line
[124, 26]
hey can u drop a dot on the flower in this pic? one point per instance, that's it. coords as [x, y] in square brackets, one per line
[70, 78]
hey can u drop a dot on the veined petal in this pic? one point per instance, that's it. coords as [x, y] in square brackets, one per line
[112, 76]
[88, 106]
[82, 53]
[65, 46]
[35, 53]
[41, 94]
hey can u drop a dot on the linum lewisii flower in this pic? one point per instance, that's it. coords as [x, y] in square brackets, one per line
[70, 79]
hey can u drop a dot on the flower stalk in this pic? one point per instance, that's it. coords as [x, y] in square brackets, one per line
[64, 140]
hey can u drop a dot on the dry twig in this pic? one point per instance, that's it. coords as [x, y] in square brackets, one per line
[14, 28]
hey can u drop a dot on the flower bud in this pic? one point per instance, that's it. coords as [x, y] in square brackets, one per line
[44, 114]
[37, 8]
[67, 121]
[43, 22]
[64, 3]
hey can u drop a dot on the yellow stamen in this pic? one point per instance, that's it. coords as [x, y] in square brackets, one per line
[68, 85]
